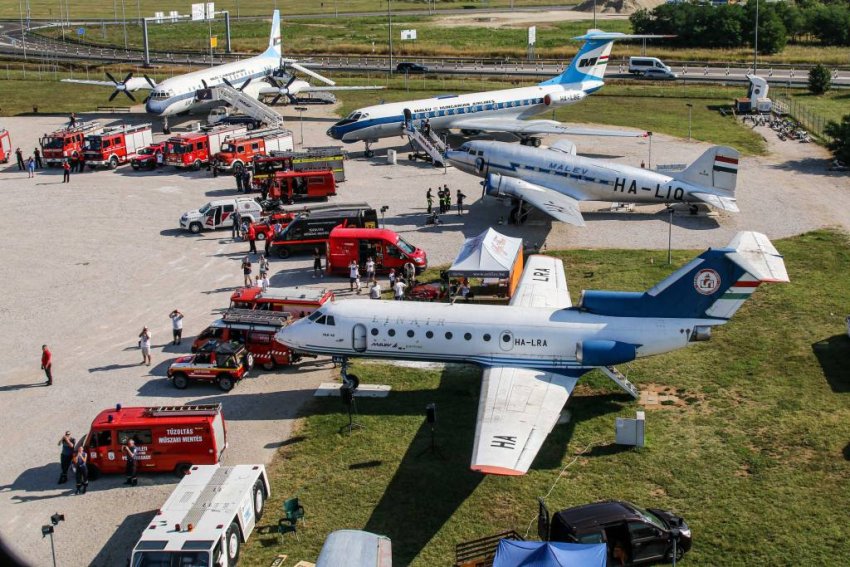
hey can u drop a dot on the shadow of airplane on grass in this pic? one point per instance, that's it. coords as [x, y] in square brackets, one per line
[832, 355]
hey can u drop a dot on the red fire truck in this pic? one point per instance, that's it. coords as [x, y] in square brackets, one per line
[237, 153]
[116, 145]
[298, 301]
[168, 438]
[67, 143]
[5, 146]
[292, 186]
[195, 149]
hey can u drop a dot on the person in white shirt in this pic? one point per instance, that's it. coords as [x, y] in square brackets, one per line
[145, 345]
[370, 269]
[399, 288]
[264, 282]
[353, 275]
[176, 326]
[375, 292]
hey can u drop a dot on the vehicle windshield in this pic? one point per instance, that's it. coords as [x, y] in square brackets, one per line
[405, 246]
[171, 558]
[93, 143]
[52, 143]
[205, 208]
[652, 518]
[230, 148]
[181, 148]
[146, 152]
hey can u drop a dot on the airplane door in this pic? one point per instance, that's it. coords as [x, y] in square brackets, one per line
[358, 337]
[506, 340]
[408, 116]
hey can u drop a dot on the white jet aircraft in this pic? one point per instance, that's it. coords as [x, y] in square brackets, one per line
[555, 179]
[495, 111]
[177, 95]
[534, 350]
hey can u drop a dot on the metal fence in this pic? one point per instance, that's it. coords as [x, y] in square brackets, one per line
[809, 120]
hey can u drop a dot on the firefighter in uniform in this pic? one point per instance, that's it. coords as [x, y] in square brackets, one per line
[130, 452]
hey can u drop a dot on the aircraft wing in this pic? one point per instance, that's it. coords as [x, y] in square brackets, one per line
[543, 284]
[517, 410]
[531, 127]
[134, 84]
[270, 90]
[717, 201]
[560, 206]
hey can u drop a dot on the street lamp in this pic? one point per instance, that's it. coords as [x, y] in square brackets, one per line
[690, 108]
[124, 19]
[649, 160]
[756, 42]
[47, 530]
[301, 110]
[390, 32]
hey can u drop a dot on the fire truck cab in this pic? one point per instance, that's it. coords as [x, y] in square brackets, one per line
[116, 145]
[167, 438]
[67, 143]
[195, 149]
[207, 518]
[5, 146]
[296, 300]
[255, 330]
[237, 153]
[292, 186]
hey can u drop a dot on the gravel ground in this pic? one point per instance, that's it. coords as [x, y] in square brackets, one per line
[100, 257]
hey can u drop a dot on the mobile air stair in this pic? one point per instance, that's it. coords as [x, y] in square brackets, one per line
[244, 103]
[426, 146]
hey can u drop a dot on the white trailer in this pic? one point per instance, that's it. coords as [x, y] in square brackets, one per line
[207, 518]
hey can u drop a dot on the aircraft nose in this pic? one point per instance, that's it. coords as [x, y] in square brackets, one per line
[151, 107]
[333, 132]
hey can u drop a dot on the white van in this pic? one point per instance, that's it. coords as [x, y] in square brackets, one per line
[219, 213]
[656, 67]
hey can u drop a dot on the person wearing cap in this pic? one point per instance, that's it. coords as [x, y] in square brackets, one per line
[81, 470]
[176, 326]
[67, 443]
[130, 452]
[145, 345]
[47, 364]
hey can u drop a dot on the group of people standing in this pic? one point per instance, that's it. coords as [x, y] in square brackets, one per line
[73, 455]
[30, 164]
[444, 200]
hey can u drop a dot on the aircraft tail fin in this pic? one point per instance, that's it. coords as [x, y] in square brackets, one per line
[712, 286]
[274, 36]
[716, 168]
[590, 62]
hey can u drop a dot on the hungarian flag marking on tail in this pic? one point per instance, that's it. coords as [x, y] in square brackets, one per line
[726, 164]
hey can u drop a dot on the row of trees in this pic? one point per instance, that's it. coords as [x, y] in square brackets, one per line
[733, 25]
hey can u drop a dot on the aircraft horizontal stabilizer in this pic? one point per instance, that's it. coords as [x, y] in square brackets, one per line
[755, 253]
[532, 127]
[558, 205]
[728, 204]
[717, 168]
[600, 35]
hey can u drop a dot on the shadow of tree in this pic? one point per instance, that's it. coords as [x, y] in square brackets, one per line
[832, 355]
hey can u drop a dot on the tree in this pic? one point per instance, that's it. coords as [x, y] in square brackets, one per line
[641, 21]
[840, 143]
[772, 34]
[820, 79]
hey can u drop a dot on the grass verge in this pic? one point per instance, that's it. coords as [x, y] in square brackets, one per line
[755, 458]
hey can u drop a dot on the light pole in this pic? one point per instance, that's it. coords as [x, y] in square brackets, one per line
[670, 236]
[124, 20]
[756, 42]
[301, 110]
[690, 108]
[390, 32]
[649, 161]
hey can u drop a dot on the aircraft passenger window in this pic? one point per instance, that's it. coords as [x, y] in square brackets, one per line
[506, 338]
[410, 334]
[430, 334]
[467, 336]
[374, 332]
[391, 332]
[486, 337]
[449, 335]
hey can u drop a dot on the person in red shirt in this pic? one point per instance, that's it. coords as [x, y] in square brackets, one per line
[66, 172]
[252, 238]
[47, 364]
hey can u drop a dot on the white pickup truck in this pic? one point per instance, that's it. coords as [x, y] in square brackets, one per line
[219, 213]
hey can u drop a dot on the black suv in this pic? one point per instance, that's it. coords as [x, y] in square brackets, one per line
[633, 535]
[410, 68]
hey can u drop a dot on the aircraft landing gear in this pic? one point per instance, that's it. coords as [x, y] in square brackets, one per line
[519, 212]
[535, 142]
[348, 380]
[346, 392]
[165, 128]
[369, 153]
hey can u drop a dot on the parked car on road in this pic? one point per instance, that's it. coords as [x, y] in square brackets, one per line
[410, 68]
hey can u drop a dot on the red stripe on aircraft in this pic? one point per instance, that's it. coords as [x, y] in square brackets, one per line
[746, 284]
[725, 159]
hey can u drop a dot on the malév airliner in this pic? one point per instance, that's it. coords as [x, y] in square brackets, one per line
[534, 350]
[177, 95]
[495, 111]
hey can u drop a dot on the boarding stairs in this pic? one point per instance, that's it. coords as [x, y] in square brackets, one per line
[428, 147]
[246, 104]
[196, 409]
[620, 379]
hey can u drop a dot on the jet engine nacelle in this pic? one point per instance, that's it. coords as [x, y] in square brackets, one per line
[604, 353]
[498, 185]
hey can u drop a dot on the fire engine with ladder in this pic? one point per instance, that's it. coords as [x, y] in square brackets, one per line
[67, 143]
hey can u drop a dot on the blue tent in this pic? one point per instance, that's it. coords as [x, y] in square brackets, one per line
[513, 553]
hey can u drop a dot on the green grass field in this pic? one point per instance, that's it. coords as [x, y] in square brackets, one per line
[755, 456]
[833, 105]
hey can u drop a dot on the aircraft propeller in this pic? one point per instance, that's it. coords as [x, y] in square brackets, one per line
[121, 86]
[282, 90]
[240, 89]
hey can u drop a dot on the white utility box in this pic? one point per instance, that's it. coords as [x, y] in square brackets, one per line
[632, 431]
[392, 157]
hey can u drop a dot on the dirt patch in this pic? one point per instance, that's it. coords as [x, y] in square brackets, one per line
[659, 396]
[618, 7]
[523, 19]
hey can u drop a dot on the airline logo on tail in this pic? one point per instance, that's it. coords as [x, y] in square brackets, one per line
[707, 282]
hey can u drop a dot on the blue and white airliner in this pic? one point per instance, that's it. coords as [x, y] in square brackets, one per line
[177, 95]
[495, 111]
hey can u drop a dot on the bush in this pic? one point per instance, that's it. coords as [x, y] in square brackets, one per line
[820, 79]
[840, 143]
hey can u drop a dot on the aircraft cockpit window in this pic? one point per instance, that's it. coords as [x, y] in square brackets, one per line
[464, 147]
[314, 315]
[321, 320]
[331, 320]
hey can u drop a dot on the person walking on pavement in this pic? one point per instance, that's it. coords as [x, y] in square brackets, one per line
[430, 199]
[252, 238]
[353, 274]
[81, 470]
[145, 345]
[460, 198]
[176, 326]
[317, 263]
[66, 172]
[47, 364]
[246, 270]
[38, 163]
[130, 453]
[264, 266]
[19, 155]
[72, 121]
[67, 443]
[236, 220]
[370, 269]
[30, 168]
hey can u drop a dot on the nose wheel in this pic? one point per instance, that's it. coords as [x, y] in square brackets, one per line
[369, 153]
[349, 380]
[165, 128]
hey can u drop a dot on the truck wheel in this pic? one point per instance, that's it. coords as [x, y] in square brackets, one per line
[233, 544]
[261, 236]
[225, 382]
[269, 364]
[283, 252]
[197, 165]
[259, 500]
[195, 228]
[180, 381]
[182, 469]
[113, 162]
[94, 472]
[134, 165]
